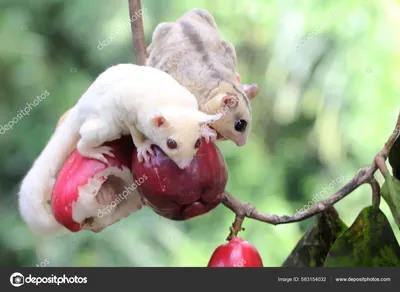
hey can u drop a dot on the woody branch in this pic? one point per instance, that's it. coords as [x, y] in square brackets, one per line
[364, 175]
[139, 43]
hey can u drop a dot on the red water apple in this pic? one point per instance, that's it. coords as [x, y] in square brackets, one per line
[90, 194]
[182, 194]
[236, 253]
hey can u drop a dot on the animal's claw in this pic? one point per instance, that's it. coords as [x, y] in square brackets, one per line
[143, 150]
[106, 150]
[99, 152]
[142, 156]
[209, 134]
[101, 158]
[151, 151]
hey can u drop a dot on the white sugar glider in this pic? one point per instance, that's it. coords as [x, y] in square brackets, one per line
[193, 51]
[144, 102]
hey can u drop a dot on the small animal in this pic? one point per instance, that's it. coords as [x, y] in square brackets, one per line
[126, 99]
[193, 52]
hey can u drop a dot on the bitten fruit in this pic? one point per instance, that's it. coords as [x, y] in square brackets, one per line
[91, 195]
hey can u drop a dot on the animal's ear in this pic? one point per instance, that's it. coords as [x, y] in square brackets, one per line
[158, 120]
[161, 31]
[204, 118]
[251, 90]
[229, 101]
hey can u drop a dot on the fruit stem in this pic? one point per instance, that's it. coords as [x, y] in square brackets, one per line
[236, 227]
[376, 192]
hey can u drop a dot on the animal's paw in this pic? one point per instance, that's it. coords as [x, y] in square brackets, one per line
[143, 150]
[98, 153]
[208, 134]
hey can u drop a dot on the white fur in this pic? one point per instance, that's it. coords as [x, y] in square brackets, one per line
[121, 101]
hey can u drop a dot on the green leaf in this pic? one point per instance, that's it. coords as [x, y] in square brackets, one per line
[313, 247]
[394, 158]
[391, 193]
[369, 242]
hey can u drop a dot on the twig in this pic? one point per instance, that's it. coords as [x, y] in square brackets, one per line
[393, 137]
[381, 164]
[236, 227]
[139, 42]
[364, 175]
[376, 192]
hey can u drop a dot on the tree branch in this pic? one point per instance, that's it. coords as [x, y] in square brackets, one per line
[364, 175]
[139, 43]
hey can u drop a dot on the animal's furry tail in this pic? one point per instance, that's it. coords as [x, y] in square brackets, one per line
[37, 185]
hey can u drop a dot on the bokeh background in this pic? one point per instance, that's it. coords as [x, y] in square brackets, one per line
[329, 77]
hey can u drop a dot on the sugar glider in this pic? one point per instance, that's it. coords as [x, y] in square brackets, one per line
[193, 52]
[126, 99]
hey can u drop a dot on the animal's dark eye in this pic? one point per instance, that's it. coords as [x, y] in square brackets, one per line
[198, 143]
[171, 143]
[240, 125]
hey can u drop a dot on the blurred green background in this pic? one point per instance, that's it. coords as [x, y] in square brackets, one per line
[328, 72]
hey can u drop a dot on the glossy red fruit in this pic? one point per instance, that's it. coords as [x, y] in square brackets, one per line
[89, 194]
[182, 194]
[236, 253]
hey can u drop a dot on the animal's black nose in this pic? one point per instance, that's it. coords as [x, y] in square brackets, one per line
[240, 125]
